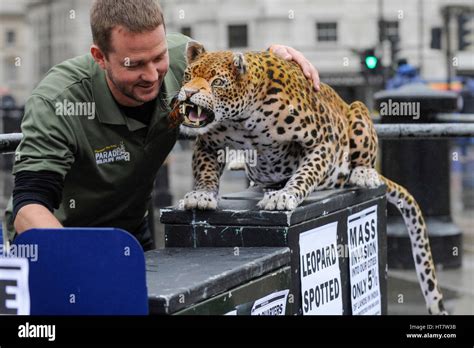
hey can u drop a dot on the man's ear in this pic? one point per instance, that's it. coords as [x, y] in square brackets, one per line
[240, 63]
[98, 56]
[193, 50]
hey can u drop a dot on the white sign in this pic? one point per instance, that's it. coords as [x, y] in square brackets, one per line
[364, 262]
[319, 270]
[14, 290]
[273, 304]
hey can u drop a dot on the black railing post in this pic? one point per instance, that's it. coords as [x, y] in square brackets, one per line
[423, 167]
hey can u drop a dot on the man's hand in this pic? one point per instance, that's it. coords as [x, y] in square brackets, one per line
[34, 216]
[289, 53]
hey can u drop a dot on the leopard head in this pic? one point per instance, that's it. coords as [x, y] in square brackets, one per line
[214, 89]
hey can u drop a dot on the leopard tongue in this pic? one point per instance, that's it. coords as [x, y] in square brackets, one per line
[197, 116]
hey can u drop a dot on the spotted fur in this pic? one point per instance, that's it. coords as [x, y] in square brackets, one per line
[305, 141]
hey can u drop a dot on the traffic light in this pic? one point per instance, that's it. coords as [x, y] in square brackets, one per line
[370, 62]
[465, 31]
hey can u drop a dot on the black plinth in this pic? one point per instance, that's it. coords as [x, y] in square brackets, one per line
[180, 278]
[239, 223]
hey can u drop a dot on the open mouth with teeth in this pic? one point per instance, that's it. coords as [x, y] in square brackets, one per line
[196, 116]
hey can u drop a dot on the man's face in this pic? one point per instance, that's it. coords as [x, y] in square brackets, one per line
[137, 65]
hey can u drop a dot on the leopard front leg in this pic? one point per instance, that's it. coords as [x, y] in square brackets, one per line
[308, 176]
[363, 144]
[207, 170]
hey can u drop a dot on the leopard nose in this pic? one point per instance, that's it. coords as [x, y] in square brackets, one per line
[190, 91]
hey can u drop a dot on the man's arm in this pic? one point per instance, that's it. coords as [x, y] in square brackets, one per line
[35, 196]
[42, 161]
[35, 216]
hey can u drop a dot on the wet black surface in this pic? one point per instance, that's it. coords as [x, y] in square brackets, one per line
[180, 277]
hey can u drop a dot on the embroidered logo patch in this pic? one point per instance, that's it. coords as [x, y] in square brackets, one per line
[112, 153]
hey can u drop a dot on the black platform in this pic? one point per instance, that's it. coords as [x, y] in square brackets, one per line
[238, 219]
[178, 278]
[238, 223]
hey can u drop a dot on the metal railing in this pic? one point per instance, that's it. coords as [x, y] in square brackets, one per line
[9, 142]
[424, 130]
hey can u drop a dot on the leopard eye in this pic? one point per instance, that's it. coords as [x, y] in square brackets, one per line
[186, 76]
[218, 82]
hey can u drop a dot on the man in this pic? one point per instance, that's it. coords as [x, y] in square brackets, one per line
[96, 127]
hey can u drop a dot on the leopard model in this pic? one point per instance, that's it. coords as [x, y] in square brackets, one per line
[305, 141]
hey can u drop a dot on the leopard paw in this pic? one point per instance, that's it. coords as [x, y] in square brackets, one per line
[202, 200]
[278, 200]
[365, 177]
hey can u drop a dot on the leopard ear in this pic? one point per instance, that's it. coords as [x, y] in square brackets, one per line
[193, 50]
[240, 63]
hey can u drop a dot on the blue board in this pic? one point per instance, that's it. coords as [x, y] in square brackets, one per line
[90, 271]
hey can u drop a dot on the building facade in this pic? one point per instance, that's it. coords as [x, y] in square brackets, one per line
[329, 33]
[59, 30]
[13, 50]
[37, 34]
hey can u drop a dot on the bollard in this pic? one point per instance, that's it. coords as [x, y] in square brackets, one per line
[467, 152]
[337, 242]
[423, 168]
[467, 166]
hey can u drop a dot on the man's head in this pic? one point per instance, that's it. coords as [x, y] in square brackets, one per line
[130, 44]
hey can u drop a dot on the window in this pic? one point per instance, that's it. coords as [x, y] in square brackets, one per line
[388, 31]
[237, 36]
[186, 31]
[326, 31]
[10, 37]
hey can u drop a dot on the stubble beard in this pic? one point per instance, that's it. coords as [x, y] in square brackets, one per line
[127, 90]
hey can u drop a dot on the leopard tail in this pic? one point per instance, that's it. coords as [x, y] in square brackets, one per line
[420, 244]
